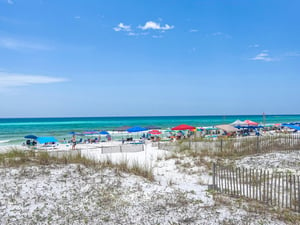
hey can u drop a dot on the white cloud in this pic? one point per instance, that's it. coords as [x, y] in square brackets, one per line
[150, 25]
[77, 17]
[15, 44]
[8, 80]
[122, 27]
[155, 26]
[10, 2]
[263, 56]
[193, 30]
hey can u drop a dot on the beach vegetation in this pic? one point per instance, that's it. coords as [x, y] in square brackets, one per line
[18, 158]
[171, 182]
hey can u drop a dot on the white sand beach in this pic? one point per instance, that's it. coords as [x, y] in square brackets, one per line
[75, 194]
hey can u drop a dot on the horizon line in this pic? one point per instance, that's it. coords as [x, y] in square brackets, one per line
[224, 115]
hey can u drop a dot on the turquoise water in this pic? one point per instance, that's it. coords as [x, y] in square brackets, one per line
[13, 130]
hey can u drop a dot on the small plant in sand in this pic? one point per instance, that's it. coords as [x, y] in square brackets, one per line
[171, 182]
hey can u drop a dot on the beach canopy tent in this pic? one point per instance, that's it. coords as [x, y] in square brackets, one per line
[227, 128]
[251, 123]
[103, 132]
[291, 126]
[183, 127]
[43, 140]
[153, 127]
[123, 128]
[154, 132]
[238, 123]
[136, 129]
[31, 136]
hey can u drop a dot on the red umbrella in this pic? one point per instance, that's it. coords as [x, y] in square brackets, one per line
[183, 127]
[252, 123]
[155, 132]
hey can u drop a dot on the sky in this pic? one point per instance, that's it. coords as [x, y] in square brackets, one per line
[149, 58]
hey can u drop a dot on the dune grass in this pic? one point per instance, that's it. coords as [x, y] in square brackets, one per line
[17, 158]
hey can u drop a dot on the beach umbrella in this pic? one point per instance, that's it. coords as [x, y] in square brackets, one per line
[104, 132]
[43, 140]
[251, 123]
[183, 127]
[239, 123]
[227, 128]
[136, 129]
[75, 133]
[292, 126]
[154, 132]
[31, 136]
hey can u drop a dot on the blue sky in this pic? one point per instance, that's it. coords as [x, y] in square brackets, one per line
[146, 58]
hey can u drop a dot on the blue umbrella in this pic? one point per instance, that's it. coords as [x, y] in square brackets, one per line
[75, 133]
[43, 140]
[104, 132]
[136, 129]
[31, 136]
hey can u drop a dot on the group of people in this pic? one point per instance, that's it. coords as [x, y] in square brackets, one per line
[30, 143]
[87, 141]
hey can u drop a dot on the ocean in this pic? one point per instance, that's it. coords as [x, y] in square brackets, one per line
[13, 130]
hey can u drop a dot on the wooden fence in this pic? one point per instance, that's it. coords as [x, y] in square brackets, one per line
[272, 188]
[239, 145]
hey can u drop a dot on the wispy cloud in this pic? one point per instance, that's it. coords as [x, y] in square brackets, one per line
[15, 44]
[193, 30]
[10, 2]
[221, 34]
[155, 26]
[122, 27]
[9, 80]
[77, 17]
[264, 56]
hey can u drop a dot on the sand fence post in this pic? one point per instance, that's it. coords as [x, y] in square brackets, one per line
[214, 177]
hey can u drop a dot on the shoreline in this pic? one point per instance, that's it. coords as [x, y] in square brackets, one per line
[13, 130]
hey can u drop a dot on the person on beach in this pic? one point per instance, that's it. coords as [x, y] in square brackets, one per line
[73, 142]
